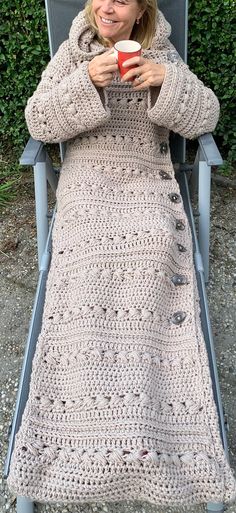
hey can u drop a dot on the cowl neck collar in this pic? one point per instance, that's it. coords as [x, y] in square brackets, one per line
[85, 46]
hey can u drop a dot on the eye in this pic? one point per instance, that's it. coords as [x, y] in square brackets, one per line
[120, 2]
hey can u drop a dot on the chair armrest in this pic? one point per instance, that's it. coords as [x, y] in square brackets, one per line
[34, 152]
[210, 150]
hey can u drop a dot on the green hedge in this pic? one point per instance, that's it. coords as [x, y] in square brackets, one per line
[24, 54]
[212, 56]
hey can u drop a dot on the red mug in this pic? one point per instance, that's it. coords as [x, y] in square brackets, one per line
[125, 50]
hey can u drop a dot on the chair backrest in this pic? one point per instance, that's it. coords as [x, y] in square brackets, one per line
[60, 14]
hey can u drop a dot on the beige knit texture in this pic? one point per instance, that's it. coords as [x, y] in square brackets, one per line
[121, 404]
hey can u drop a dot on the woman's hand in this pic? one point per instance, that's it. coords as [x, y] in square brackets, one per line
[150, 74]
[102, 67]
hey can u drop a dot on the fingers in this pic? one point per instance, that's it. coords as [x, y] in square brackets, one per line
[109, 56]
[111, 68]
[132, 73]
[138, 59]
[106, 83]
[103, 80]
[107, 76]
[102, 67]
[137, 82]
[108, 63]
[137, 86]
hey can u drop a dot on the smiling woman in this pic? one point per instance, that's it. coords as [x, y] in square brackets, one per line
[115, 18]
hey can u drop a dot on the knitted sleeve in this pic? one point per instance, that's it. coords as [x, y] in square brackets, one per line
[66, 102]
[182, 104]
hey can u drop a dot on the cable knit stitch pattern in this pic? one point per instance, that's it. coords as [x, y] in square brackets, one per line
[120, 404]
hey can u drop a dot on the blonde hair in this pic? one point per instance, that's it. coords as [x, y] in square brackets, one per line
[142, 32]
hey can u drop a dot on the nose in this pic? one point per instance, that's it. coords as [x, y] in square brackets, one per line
[107, 6]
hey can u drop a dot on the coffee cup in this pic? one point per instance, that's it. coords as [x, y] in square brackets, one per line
[125, 50]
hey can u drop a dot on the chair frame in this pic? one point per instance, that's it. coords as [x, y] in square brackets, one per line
[193, 180]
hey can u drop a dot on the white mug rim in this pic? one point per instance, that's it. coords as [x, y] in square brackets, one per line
[126, 42]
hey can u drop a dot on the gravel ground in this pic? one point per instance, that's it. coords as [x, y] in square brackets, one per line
[18, 282]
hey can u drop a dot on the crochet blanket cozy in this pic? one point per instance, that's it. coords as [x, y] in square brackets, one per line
[121, 404]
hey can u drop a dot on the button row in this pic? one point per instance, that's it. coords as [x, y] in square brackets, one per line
[178, 279]
[175, 198]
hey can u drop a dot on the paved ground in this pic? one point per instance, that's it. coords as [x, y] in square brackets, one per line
[18, 282]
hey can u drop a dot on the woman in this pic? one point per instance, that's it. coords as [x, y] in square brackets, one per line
[121, 404]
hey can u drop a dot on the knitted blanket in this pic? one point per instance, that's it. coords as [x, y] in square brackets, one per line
[121, 404]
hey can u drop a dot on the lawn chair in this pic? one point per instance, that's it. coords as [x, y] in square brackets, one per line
[60, 14]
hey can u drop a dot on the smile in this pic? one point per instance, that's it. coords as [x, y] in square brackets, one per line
[107, 22]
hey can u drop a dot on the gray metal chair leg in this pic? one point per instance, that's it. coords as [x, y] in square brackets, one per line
[215, 507]
[25, 505]
[204, 193]
[43, 173]
[41, 205]
[200, 182]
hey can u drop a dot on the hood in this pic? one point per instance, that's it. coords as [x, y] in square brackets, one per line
[84, 45]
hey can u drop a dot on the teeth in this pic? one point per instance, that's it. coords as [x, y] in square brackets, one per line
[107, 21]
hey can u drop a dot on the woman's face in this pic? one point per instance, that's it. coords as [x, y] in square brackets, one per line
[116, 18]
